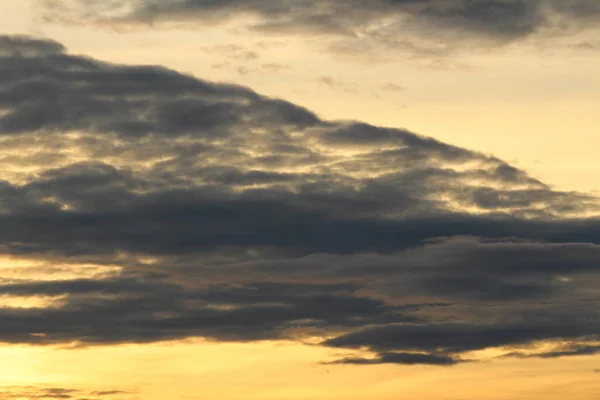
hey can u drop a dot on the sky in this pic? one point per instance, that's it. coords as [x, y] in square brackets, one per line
[299, 199]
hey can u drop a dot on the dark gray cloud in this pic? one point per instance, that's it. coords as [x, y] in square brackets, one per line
[450, 339]
[143, 310]
[461, 337]
[401, 358]
[564, 352]
[426, 27]
[233, 216]
[15, 46]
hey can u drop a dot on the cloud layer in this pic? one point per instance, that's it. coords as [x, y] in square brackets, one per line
[416, 27]
[208, 210]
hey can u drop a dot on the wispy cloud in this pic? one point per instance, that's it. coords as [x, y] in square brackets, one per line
[55, 393]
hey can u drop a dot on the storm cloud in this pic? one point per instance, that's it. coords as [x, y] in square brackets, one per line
[213, 211]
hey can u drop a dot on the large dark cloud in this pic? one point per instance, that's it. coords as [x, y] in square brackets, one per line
[114, 311]
[426, 27]
[224, 214]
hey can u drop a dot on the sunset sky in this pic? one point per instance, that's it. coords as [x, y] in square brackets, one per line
[299, 199]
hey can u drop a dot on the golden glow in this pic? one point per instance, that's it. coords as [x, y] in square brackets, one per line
[285, 371]
[28, 301]
[17, 269]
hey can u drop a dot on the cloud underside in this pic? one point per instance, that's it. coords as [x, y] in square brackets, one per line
[216, 212]
[422, 27]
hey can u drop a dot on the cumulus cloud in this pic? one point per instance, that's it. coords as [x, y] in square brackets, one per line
[217, 212]
[423, 27]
